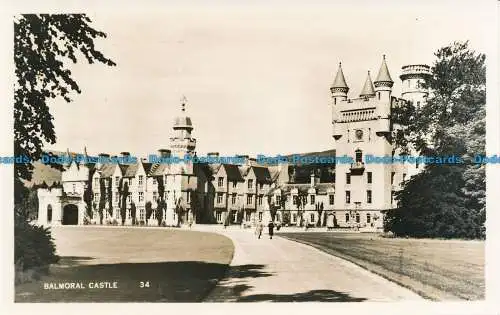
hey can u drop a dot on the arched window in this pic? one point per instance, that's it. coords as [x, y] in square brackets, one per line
[49, 213]
[359, 156]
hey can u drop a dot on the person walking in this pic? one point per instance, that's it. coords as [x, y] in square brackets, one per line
[258, 229]
[271, 229]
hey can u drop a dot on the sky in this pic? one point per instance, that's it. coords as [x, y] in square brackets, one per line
[256, 77]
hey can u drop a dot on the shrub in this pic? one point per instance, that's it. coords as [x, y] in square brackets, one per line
[33, 246]
[115, 222]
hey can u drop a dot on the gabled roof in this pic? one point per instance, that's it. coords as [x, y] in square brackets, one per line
[368, 89]
[147, 166]
[262, 174]
[158, 169]
[131, 170]
[44, 173]
[233, 173]
[107, 170]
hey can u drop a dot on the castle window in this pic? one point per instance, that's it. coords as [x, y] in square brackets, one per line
[294, 200]
[117, 197]
[368, 218]
[368, 196]
[233, 199]
[218, 216]
[249, 199]
[155, 195]
[140, 180]
[155, 181]
[188, 196]
[347, 196]
[278, 200]
[219, 197]
[248, 216]
[141, 196]
[348, 178]
[260, 216]
[347, 217]
[378, 94]
[260, 200]
[294, 218]
[96, 197]
[250, 183]
[312, 218]
[234, 184]
[358, 219]
[220, 181]
[312, 199]
[261, 186]
[117, 181]
[332, 199]
[49, 213]
[392, 177]
[369, 177]
[359, 156]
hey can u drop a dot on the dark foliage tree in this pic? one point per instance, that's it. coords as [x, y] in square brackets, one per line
[273, 208]
[446, 200]
[319, 209]
[102, 198]
[123, 202]
[149, 210]
[160, 208]
[43, 44]
[133, 212]
[109, 197]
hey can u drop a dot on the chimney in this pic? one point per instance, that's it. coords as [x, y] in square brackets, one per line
[102, 158]
[244, 157]
[213, 154]
[313, 179]
[125, 154]
[164, 153]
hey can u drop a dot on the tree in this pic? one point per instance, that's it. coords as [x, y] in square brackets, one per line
[319, 209]
[273, 208]
[445, 200]
[159, 211]
[149, 210]
[43, 45]
[102, 198]
[133, 211]
[123, 203]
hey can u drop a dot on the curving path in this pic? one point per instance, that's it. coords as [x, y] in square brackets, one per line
[284, 271]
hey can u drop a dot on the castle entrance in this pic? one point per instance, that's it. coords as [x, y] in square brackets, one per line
[70, 215]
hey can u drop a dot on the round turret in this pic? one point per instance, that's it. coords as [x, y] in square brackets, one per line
[413, 79]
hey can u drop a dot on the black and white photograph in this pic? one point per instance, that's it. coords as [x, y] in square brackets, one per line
[325, 151]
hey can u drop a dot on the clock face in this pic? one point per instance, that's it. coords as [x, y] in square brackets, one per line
[359, 134]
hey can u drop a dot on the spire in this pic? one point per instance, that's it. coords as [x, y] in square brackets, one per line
[383, 77]
[368, 89]
[183, 103]
[339, 84]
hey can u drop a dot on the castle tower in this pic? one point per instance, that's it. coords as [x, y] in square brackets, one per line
[338, 91]
[413, 78]
[339, 87]
[182, 143]
[360, 128]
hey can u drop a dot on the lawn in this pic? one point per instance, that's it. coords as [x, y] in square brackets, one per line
[147, 264]
[436, 269]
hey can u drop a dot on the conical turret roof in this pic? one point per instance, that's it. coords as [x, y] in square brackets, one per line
[368, 89]
[339, 81]
[383, 74]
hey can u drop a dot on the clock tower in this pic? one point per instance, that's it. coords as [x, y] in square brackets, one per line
[361, 127]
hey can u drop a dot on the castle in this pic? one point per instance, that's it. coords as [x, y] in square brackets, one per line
[342, 195]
